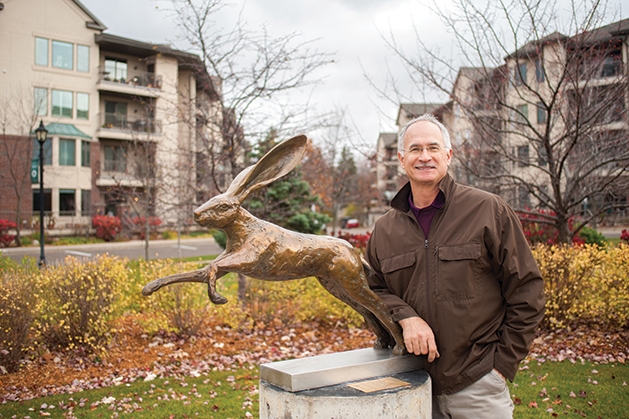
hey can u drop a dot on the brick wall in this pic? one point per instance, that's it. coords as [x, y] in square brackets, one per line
[15, 164]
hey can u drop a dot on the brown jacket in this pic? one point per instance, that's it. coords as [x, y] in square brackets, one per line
[473, 280]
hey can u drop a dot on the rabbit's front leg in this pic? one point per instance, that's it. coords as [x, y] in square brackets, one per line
[213, 274]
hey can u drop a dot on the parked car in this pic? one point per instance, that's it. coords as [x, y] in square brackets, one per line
[351, 223]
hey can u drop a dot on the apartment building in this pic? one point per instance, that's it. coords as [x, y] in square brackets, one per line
[121, 114]
[549, 127]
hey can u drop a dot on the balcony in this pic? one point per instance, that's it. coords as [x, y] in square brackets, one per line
[120, 127]
[138, 84]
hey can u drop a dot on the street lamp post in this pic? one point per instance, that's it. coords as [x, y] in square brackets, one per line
[41, 133]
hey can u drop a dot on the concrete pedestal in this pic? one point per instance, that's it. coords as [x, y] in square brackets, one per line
[366, 383]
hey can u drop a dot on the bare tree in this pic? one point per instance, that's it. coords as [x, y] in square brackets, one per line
[537, 115]
[18, 118]
[253, 74]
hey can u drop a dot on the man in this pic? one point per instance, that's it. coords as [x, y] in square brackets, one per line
[453, 266]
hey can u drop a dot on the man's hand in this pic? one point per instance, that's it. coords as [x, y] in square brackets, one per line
[418, 338]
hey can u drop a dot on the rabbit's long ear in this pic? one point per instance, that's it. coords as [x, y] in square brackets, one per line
[273, 165]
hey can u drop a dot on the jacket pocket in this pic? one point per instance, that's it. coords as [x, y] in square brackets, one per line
[397, 262]
[458, 271]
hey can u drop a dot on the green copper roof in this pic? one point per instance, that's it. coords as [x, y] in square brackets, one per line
[57, 129]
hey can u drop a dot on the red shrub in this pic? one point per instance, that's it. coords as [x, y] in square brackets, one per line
[624, 236]
[5, 238]
[359, 241]
[107, 226]
[140, 222]
[537, 231]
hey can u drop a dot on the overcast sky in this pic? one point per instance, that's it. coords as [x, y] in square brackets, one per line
[350, 29]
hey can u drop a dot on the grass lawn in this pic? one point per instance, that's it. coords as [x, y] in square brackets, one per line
[226, 394]
[567, 390]
[541, 390]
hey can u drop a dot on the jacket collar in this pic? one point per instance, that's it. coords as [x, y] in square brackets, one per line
[400, 200]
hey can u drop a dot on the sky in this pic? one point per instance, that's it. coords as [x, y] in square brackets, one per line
[352, 30]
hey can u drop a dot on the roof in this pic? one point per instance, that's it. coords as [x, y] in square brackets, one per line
[594, 36]
[95, 23]
[414, 110]
[65, 130]
[388, 138]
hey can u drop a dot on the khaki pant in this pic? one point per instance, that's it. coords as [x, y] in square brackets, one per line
[488, 398]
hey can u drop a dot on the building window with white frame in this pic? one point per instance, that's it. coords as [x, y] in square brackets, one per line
[41, 101]
[67, 152]
[83, 58]
[67, 202]
[85, 153]
[41, 51]
[62, 55]
[62, 103]
[82, 105]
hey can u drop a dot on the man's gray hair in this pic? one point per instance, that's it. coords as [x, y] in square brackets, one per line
[429, 118]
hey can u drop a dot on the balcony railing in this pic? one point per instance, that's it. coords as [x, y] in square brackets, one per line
[121, 122]
[138, 78]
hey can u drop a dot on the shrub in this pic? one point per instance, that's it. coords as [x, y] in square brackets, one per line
[178, 308]
[359, 241]
[220, 238]
[624, 236]
[77, 302]
[592, 236]
[5, 238]
[17, 306]
[107, 226]
[140, 225]
[538, 231]
[303, 300]
[585, 284]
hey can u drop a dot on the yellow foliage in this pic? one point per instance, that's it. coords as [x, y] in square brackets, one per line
[585, 283]
[78, 300]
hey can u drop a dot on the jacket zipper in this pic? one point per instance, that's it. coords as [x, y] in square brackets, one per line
[429, 320]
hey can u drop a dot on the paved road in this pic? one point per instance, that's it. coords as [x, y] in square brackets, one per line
[131, 249]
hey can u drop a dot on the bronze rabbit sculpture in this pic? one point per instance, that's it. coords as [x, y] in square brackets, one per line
[265, 251]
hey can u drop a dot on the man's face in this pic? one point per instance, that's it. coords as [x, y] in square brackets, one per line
[425, 158]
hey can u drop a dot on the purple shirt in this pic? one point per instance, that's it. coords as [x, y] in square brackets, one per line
[424, 216]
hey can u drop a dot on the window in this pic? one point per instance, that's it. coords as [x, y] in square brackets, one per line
[520, 74]
[115, 114]
[47, 151]
[523, 156]
[86, 202]
[115, 70]
[82, 105]
[524, 197]
[83, 58]
[67, 152]
[41, 101]
[62, 103]
[85, 153]
[612, 65]
[47, 200]
[542, 157]
[67, 202]
[522, 113]
[62, 56]
[115, 159]
[541, 113]
[41, 51]
[540, 76]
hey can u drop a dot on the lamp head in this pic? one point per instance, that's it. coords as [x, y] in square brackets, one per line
[41, 133]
